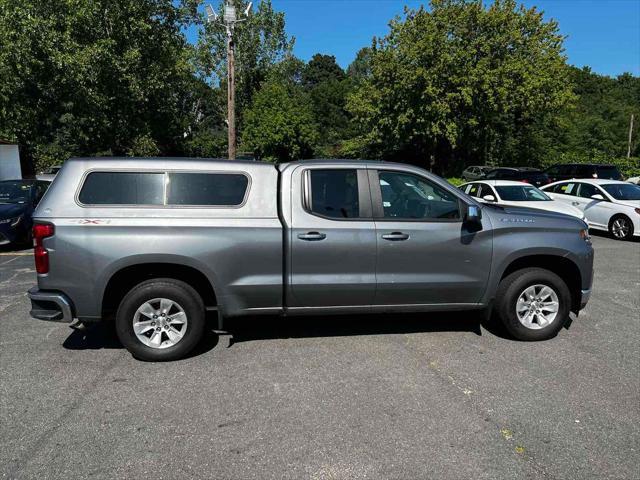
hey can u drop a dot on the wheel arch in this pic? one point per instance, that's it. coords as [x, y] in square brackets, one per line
[125, 278]
[562, 266]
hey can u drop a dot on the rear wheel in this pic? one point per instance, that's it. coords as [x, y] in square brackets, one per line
[160, 319]
[533, 304]
[621, 227]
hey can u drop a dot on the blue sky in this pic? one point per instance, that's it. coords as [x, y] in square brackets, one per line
[603, 34]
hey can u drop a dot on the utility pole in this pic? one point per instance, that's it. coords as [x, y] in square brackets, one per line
[630, 135]
[231, 95]
[229, 22]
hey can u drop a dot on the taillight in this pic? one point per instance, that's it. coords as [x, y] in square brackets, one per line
[40, 232]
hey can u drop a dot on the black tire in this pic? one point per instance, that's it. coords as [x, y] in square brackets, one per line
[175, 290]
[628, 224]
[513, 286]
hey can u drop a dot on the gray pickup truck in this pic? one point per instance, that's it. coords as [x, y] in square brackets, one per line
[159, 242]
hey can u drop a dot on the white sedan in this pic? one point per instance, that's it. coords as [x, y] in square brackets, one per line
[609, 205]
[520, 194]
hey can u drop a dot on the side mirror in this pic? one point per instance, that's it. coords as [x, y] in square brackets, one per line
[473, 215]
[489, 198]
[597, 196]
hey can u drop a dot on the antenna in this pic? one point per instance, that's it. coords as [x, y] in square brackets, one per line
[212, 16]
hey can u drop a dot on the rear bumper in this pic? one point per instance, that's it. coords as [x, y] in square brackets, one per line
[584, 299]
[50, 306]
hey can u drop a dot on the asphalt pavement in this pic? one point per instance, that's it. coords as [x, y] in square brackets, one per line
[437, 396]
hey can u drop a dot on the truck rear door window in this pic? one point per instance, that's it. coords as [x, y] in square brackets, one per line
[334, 193]
[206, 189]
[123, 188]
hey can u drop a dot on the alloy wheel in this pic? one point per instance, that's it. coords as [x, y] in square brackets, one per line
[160, 323]
[537, 306]
[620, 228]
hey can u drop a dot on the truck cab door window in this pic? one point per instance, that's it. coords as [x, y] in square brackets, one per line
[407, 196]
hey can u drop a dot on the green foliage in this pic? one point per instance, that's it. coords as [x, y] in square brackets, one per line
[328, 88]
[360, 68]
[320, 69]
[143, 146]
[260, 43]
[599, 120]
[83, 76]
[280, 125]
[461, 82]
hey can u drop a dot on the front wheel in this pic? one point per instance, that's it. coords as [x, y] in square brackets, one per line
[160, 319]
[533, 304]
[621, 227]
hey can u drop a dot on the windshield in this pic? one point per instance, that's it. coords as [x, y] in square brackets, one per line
[521, 193]
[623, 191]
[14, 192]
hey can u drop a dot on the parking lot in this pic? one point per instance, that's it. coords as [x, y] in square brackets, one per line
[413, 396]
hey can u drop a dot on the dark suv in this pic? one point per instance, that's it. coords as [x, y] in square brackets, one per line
[528, 175]
[18, 199]
[583, 170]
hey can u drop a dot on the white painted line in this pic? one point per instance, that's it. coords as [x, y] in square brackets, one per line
[9, 261]
[14, 254]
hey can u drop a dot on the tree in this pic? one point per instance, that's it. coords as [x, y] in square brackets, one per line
[321, 68]
[328, 88]
[89, 77]
[280, 125]
[599, 121]
[260, 43]
[461, 83]
[360, 68]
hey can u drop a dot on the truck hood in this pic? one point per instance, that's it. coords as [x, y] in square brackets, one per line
[531, 216]
[552, 206]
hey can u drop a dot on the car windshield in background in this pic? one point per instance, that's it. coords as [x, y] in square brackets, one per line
[623, 191]
[524, 193]
[14, 192]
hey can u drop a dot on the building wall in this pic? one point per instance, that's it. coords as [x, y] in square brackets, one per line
[10, 162]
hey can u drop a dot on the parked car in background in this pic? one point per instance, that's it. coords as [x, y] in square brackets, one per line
[634, 180]
[18, 200]
[609, 205]
[508, 192]
[49, 174]
[570, 171]
[475, 172]
[159, 242]
[528, 175]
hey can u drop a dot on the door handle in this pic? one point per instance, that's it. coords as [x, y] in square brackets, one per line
[312, 236]
[395, 236]
[575, 204]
